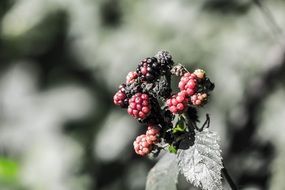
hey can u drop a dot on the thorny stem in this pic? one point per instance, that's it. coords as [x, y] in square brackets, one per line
[229, 179]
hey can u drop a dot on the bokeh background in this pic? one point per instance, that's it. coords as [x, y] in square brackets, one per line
[61, 61]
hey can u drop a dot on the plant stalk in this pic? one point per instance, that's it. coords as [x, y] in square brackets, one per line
[229, 179]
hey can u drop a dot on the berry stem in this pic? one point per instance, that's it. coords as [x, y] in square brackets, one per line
[228, 178]
[190, 123]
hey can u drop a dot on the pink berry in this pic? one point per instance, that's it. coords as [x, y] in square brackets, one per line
[188, 83]
[141, 146]
[177, 103]
[131, 77]
[120, 98]
[139, 106]
[199, 99]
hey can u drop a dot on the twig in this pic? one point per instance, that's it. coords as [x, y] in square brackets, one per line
[206, 123]
[229, 179]
[277, 31]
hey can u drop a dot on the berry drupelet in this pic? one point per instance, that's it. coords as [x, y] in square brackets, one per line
[139, 106]
[177, 104]
[148, 69]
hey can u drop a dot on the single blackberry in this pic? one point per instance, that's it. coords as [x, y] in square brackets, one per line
[141, 145]
[165, 60]
[188, 83]
[139, 106]
[177, 103]
[152, 134]
[199, 99]
[121, 98]
[131, 77]
[148, 69]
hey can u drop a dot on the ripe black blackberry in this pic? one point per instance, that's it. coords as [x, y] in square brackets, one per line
[148, 69]
[165, 60]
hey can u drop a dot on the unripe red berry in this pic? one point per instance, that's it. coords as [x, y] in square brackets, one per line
[120, 98]
[141, 146]
[152, 134]
[139, 106]
[199, 99]
[177, 103]
[188, 83]
[131, 77]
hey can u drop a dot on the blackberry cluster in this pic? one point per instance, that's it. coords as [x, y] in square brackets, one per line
[149, 69]
[148, 97]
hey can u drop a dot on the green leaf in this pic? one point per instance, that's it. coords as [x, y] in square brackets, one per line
[180, 126]
[172, 149]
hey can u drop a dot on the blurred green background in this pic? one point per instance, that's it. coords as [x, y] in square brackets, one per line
[61, 61]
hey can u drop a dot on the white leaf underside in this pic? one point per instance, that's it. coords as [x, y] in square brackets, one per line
[201, 164]
[164, 174]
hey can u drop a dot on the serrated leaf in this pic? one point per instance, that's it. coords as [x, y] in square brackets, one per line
[201, 164]
[164, 174]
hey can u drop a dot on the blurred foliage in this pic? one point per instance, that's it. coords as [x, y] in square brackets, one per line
[8, 170]
[9, 174]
